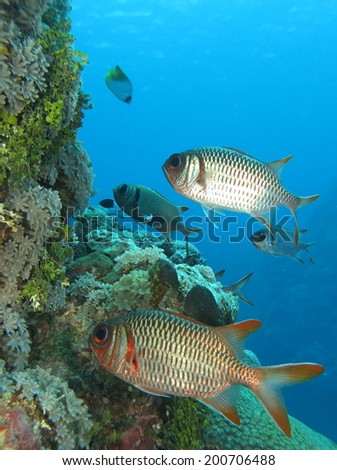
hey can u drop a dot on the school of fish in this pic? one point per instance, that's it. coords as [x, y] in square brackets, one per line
[169, 354]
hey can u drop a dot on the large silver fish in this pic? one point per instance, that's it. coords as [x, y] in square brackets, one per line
[148, 206]
[225, 178]
[169, 354]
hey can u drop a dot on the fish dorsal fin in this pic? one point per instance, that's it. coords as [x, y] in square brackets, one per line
[240, 151]
[225, 403]
[277, 165]
[181, 315]
[235, 334]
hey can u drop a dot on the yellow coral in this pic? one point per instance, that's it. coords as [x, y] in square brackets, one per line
[9, 218]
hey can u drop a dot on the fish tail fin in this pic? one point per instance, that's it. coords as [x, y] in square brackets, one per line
[275, 377]
[237, 287]
[301, 201]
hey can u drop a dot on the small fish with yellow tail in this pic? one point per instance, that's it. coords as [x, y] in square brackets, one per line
[148, 206]
[119, 84]
[226, 178]
[165, 354]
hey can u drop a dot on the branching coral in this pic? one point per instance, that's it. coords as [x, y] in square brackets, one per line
[23, 63]
[20, 254]
[62, 413]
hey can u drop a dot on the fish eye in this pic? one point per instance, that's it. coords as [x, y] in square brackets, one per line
[175, 161]
[100, 334]
[259, 237]
[123, 188]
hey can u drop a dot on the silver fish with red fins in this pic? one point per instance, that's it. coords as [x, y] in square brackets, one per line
[165, 353]
[226, 178]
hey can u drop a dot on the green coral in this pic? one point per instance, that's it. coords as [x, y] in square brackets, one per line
[185, 428]
[54, 113]
[42, 130]
[48, 271]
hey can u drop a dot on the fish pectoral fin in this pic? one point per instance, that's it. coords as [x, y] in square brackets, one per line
[225, 403]
[210, 215]
[151, 391]
[278, 165]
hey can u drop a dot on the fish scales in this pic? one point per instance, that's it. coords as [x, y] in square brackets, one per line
[239, 182]
[205, 366]
[165, 353]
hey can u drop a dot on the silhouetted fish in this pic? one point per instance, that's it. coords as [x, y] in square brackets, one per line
[169, 354]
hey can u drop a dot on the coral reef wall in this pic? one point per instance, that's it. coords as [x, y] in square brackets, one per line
[41, 109]
[57, 281]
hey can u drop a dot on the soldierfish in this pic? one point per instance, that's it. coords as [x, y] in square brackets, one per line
[225, 178]
[119, 84]
[281, 242]
[145, 205]
[165, 353]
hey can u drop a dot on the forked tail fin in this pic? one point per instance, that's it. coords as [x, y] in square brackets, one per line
[275, 377]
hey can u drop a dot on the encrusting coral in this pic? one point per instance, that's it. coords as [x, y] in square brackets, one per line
[57, 282]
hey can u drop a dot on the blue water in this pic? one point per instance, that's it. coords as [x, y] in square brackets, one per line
[252, 74]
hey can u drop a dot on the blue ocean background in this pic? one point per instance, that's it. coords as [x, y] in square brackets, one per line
[256, 75]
